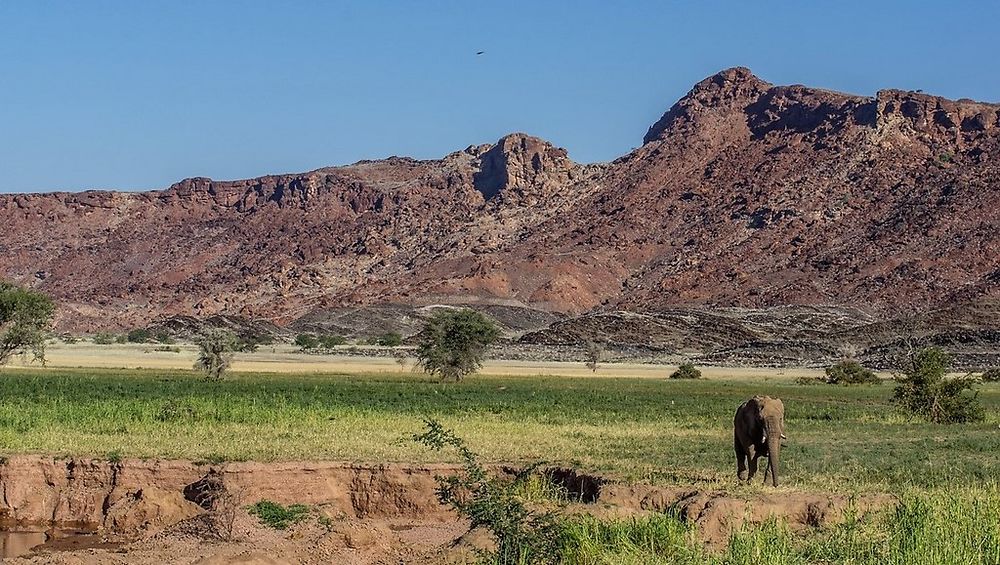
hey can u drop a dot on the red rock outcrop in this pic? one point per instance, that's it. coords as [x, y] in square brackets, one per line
[743, 194]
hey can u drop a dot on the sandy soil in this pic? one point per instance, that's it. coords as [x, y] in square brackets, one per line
[287, 359]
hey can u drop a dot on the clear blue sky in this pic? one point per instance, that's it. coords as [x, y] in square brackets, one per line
[138, 94]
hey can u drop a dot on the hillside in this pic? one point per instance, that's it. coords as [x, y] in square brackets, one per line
[743, 194]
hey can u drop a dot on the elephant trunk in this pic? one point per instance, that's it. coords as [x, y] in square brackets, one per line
[773, 449]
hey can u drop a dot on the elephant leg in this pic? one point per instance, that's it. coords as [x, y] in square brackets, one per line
[752, 463]
[741, 460]
[768, 470]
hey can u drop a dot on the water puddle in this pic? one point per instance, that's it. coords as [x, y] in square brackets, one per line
[20, 542]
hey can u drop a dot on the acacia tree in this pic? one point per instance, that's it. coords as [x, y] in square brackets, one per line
[25, 317]
[453, 343]
[215, 353]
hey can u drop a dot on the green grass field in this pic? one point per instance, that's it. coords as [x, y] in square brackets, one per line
[839, 438]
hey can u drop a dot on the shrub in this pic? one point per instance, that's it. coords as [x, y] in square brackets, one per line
[923, 390]
[330, 341]
[453, 343]
[121, 338]
[306, 341]
[277, 516]
[139, 335]
[991, 376]
[809, 380]
[523, 535]
[103, 338]
[164, 337]
[215, 353]
[686, 371]
[25, 317]
[850, 372]
[391, 339]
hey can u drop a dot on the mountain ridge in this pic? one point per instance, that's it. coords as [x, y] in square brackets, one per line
[743, 194]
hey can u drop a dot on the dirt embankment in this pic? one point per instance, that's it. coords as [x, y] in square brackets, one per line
[184, 512]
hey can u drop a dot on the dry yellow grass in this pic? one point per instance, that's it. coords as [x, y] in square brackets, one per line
[287, 359]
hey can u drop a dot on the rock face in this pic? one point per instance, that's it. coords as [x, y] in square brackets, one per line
[743, 194]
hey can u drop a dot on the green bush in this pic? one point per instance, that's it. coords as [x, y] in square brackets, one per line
[276, 516]
[103, 338]
[924, 390]
[306, 341]
[850, 372]
[523, 535]
[686, 371]
[139, 335]
[391, 339]
[164, 337]
[330, 341]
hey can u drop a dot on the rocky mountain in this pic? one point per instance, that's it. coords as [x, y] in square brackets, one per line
[743, 194]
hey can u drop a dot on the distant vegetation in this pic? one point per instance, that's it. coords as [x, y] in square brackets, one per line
[306, 341]
[390, 339]
[686, 371]
[453, 343]
[923, 390]
[850, 372]
[594, 353]
[139, 335]
[330, 341]
[103, 338]
[25, 319]
[215, 352]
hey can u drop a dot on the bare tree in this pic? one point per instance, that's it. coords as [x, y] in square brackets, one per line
[594, 354]
[215, 353]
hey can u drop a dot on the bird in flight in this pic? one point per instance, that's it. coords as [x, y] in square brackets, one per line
[480, 52]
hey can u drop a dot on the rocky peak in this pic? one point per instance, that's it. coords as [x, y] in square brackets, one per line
[928, 114]
[721, 93]
[521, 168]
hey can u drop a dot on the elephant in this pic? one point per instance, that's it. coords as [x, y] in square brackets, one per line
[758, 429]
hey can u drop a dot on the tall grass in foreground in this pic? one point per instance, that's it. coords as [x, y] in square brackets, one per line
[955, 527]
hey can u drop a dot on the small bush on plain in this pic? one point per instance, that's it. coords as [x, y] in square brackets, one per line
[686, 371]
[390, 339]
[306, 341]
[103, 338]
[330, 341]
[139, 335]
[850, 372]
